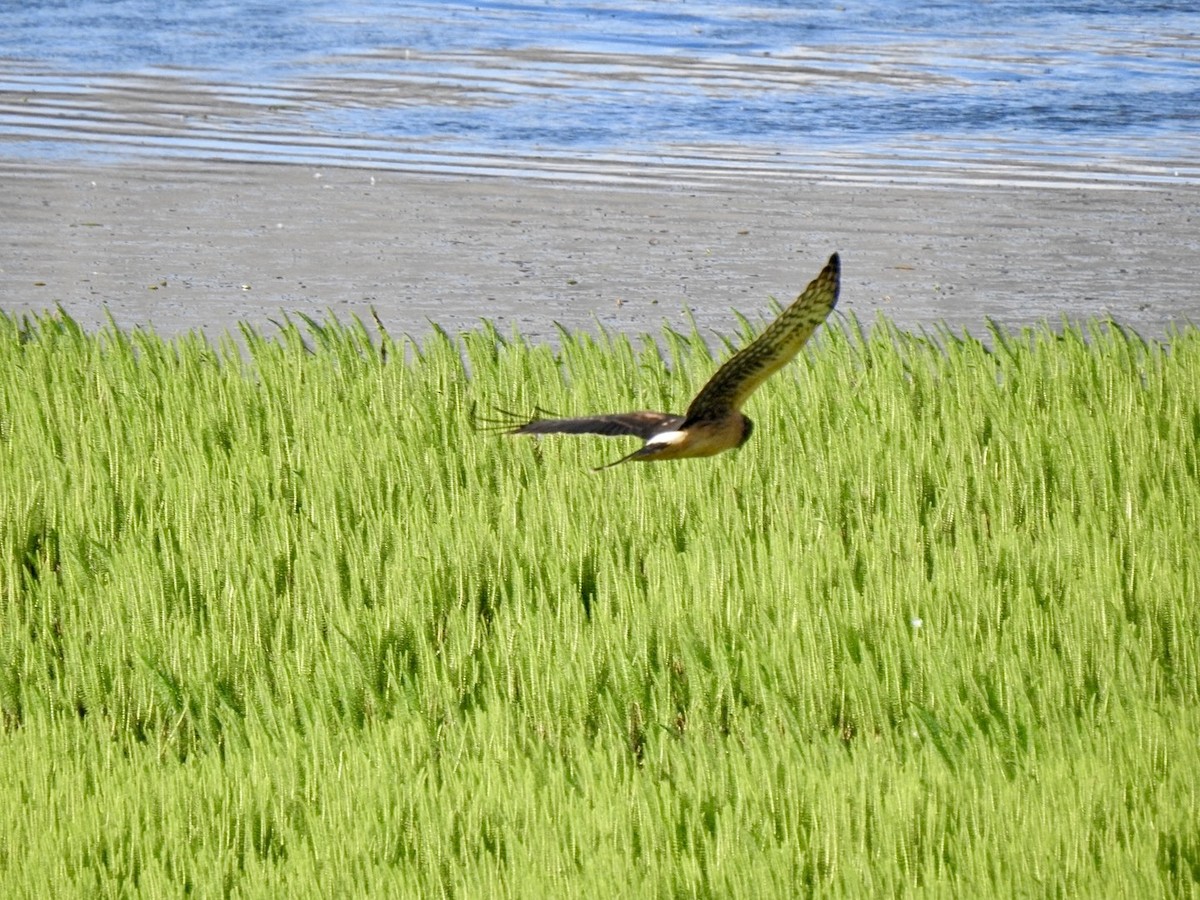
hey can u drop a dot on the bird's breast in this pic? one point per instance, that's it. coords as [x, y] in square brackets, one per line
[697, 439]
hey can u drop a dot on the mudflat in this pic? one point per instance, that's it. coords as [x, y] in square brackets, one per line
[184, 246]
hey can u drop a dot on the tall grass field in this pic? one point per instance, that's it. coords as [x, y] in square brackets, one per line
[278, 618]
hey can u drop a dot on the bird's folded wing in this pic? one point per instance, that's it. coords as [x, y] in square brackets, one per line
[640, 424]
[737, 379]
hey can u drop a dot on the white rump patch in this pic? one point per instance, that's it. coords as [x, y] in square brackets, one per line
[666, 438]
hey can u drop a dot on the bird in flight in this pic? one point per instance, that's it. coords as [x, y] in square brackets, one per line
[713, 422]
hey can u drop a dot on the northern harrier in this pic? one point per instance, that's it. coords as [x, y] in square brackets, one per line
[713, 422]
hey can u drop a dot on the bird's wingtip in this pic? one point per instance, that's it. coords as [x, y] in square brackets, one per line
[617, 462]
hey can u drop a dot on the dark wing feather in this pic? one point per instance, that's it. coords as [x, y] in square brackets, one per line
[742, 373]
[639, 424]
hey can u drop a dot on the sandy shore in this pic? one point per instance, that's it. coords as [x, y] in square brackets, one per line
[186, 246]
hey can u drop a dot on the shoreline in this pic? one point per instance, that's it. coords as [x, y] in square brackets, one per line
[190, 245]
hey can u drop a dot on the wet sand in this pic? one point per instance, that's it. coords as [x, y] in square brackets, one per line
[191, 245]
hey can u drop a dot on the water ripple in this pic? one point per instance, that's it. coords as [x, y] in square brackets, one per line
[619, 90]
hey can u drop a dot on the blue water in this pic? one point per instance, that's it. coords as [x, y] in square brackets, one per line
[1107, 88]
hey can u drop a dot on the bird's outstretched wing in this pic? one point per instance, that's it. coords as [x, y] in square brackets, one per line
[737, 379]
[638, 424]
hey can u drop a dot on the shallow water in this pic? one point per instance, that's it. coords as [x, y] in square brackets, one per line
[1008, 91]
[838, 125]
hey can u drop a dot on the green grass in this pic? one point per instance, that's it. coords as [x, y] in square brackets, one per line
[276, 620]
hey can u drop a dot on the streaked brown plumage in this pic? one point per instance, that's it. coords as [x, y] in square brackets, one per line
[713, 422]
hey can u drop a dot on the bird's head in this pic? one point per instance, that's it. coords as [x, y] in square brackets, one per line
[747, 429]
